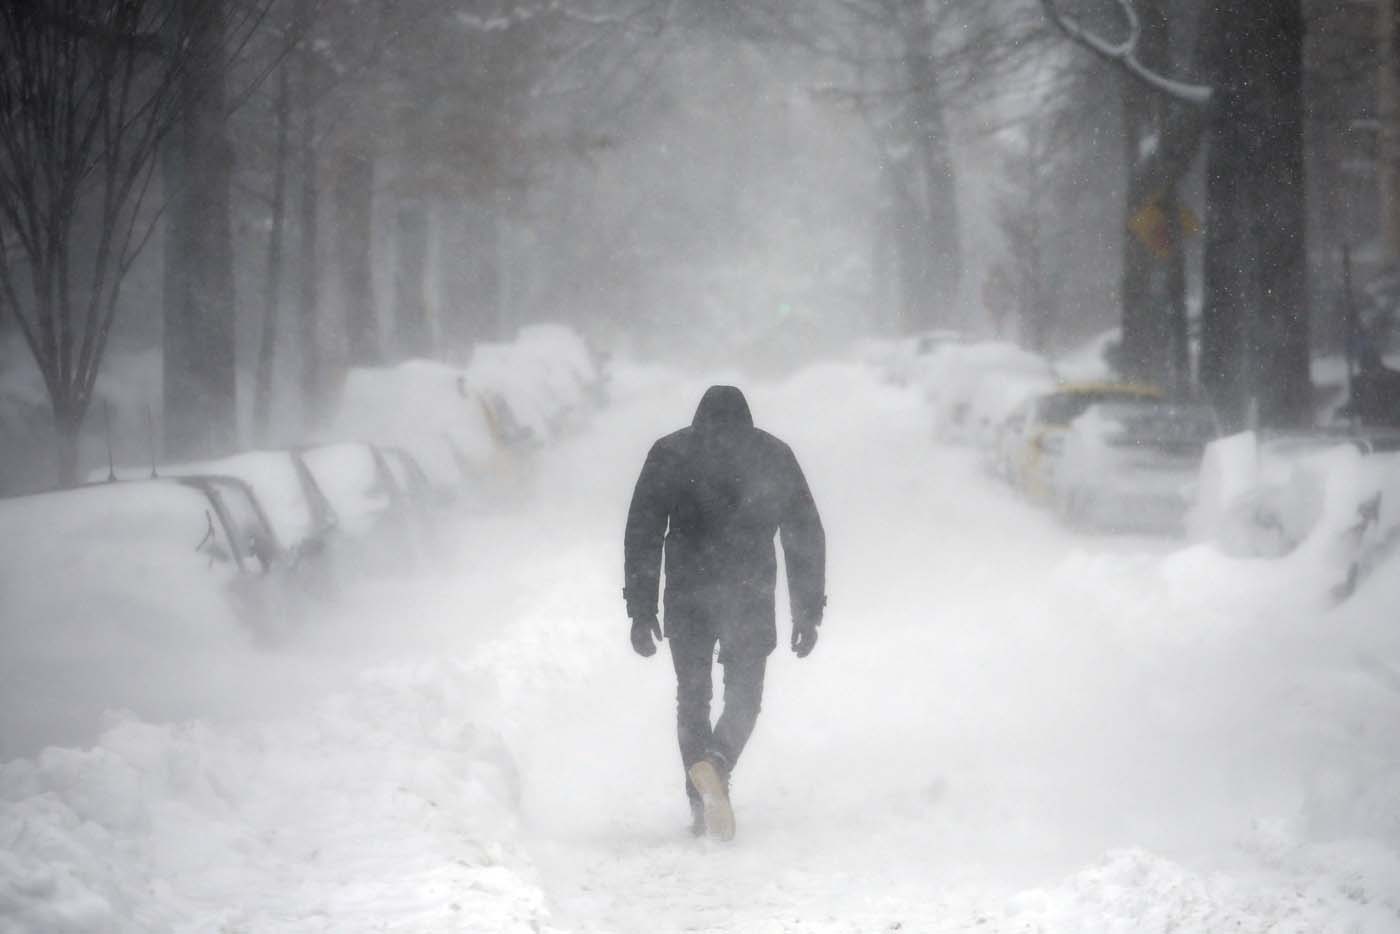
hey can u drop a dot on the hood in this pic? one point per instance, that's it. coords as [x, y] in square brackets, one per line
[722, 408]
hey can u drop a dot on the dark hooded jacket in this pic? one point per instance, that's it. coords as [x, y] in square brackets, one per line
[712, 497]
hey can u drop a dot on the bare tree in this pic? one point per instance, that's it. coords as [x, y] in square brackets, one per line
[1255, 322]
[914, 64]
[88, 91]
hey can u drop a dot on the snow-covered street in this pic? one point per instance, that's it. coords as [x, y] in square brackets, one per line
[1005, 727]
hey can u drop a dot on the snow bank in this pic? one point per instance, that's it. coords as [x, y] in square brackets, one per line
[1137, 892]
[385, 796]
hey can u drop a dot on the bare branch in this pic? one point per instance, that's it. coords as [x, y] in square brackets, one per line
[1124, 54]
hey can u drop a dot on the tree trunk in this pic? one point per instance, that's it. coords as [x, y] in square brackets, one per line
[68, 426]
[881, 272]
[200, 368]
[939, 258]
[354, 233]
[1135, 277]
[1178, 324]
[1145, 346]
[308, 252]
[460, 256]
[1227, 255]
[415, 337]
[1255, 327]
[910, 256]
[267, 344]
[495, 311]
[1388, 118]
[1279, 185]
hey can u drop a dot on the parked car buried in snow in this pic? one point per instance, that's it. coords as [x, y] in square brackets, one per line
[286, 492]
[1132, 464]
[358, 482]
[376, 512]
[1037, 441]
[1326, 501]
[971, 387]
[910, 353]
[101, 587]
[164, 532]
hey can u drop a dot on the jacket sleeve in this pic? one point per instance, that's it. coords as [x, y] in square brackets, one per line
[804, 546]
[646, 532]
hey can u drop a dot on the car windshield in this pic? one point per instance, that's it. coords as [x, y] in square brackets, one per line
[242, 512]
[1060, 408]
[1151, 422]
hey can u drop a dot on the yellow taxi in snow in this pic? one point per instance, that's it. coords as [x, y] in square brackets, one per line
[1040, 432]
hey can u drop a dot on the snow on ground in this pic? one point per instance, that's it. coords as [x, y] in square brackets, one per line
[1004, 728]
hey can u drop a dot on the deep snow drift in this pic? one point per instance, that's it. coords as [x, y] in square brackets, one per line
[1005, 727]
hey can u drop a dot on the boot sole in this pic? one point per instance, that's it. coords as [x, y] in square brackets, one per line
[719, 815]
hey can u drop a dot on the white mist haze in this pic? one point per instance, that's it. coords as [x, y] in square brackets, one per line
[1002, 720]
[463, 262]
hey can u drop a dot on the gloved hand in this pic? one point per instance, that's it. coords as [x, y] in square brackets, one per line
[646, 632]
[804, 636]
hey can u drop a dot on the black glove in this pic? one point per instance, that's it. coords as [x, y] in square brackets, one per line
[804, 636]
[646, 632]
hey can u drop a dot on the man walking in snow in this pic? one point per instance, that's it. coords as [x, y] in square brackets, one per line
[712, 497]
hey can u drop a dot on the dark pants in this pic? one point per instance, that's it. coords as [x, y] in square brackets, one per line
[693, 655]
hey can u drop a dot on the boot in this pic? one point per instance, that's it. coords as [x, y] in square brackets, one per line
[714, 796]
[697, 817]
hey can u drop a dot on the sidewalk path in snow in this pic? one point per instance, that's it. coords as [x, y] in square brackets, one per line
[1004, 727]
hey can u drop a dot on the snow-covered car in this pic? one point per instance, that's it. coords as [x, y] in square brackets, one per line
[299, 513]
[1132, 464]
[998, 395]
[286, 492]
[422, 406]
[377, 514]
[970, 388]
[268, 591]
[100, 585]
[1035, 443]
[904, 360]
[215, 518]
[408, 474]
[255, 543]
[1326, 500]
[421, 498]
[358, 482]
[507, 428]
